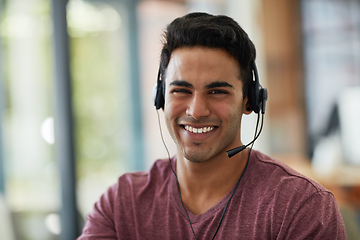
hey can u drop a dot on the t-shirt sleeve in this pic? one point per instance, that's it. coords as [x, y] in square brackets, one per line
[318, 218]
[100, 222]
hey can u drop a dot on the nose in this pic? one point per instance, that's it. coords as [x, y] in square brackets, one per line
[198, 107]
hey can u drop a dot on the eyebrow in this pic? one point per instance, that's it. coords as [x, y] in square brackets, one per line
[217, 84]
[181, 83]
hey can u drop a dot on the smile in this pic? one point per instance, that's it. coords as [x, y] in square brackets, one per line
[198, 130]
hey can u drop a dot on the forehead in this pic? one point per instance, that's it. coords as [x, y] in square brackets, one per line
[200, 63]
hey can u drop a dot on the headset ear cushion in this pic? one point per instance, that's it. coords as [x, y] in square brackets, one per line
[159, 99]
[253, 96]
[158, 92]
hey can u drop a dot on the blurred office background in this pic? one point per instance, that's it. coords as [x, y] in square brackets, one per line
[76, 108]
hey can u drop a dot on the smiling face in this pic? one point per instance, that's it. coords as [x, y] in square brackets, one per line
[203, 102]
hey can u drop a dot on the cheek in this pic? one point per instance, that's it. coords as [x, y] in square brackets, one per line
[231, 114]
[173, 109]
[172, 112]
[226, 109]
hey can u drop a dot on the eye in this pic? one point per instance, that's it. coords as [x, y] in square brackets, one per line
[218, 91]
[181, 91]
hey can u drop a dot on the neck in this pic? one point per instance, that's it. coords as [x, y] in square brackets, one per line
[206, 183]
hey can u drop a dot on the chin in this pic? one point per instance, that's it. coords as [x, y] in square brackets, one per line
[197, 156]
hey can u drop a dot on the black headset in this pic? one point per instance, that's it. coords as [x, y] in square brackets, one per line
[159, 92]
[257, 94]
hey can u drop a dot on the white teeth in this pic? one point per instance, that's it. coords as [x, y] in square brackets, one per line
[199, 130]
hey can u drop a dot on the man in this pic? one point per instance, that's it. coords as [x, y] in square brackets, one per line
[205, 85]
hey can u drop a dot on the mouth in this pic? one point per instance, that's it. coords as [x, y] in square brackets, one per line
[198, 130]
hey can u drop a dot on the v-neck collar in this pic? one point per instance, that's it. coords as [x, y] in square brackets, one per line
[175, 196]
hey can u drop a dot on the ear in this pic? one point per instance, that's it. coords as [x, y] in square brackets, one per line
[246, 106]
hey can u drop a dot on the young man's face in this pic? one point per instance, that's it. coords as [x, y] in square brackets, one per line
[203, 102]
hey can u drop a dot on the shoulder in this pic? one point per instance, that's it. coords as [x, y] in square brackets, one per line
[134, 182]
[279, 174]
[273, 181]
[302, 206]
[131, 185]
[159, 171]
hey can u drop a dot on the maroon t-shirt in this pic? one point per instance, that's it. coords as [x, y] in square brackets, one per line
[272, 201]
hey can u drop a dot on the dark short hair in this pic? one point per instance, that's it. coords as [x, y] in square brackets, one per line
[213, 31]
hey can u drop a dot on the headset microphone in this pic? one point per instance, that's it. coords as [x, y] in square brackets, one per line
[235, 151]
